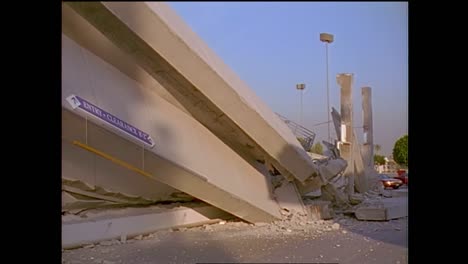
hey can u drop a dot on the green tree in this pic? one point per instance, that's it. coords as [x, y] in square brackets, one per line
[317, 148]
[379, 159]
[400, 151]
[377, 148]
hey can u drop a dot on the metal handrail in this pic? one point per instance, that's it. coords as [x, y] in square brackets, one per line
[299, 131]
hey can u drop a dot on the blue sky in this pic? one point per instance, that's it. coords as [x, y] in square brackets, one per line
[273, 46]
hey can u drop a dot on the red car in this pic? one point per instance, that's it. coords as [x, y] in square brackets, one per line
[388, 181]
[402, 177]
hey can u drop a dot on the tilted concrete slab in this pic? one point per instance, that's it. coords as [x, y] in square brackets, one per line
[187, 156]
[130, 222]
[161, 43]
[79, 164]
[82, 32]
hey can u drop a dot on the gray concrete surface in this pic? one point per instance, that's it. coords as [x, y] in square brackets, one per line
[354, 242]
[130, 222]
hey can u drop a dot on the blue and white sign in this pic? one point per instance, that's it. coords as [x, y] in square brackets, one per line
[82, 104]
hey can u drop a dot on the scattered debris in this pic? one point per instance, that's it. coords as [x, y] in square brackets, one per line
[319, 209]
[356, 198]
[105, 243]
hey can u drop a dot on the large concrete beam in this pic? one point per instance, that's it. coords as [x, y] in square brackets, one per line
[164, 46]
[383, 210]
[187, 156]
[130, 222]
[88, 37]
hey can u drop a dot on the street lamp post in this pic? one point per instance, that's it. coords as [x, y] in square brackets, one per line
[327, 38]
[300, 87]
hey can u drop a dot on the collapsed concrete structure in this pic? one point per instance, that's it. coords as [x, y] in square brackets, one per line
[151, 116]
[159, 42]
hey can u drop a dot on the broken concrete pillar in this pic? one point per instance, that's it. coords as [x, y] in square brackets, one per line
[368, 142]
[158, 41]
[360, 176]
[186, 155]
[345, 81]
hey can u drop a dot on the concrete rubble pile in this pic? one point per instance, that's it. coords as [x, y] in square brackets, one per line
[77, 196]
[150, 112]
[334, 183]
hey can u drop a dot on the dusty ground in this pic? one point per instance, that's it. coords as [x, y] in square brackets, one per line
[341, 240]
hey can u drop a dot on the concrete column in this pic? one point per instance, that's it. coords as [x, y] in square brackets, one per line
[368, 142]
[345, 81]
[360, 178]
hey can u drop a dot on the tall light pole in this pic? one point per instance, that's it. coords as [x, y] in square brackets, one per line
[300, 87]
[327, 38]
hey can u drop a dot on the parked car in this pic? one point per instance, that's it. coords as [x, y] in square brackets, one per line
[388, 181]
[402, 177]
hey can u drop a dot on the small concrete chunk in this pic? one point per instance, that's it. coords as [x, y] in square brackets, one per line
[320, 210]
